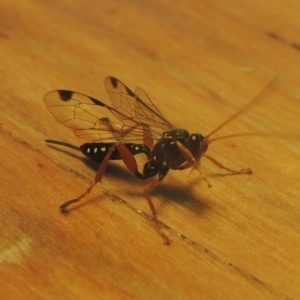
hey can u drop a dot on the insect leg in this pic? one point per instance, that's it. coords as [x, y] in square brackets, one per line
[191, 162]
[150, 169]
[163, 170]
[242, 171]
[126, 156]
[64, 207]
[147, 137]
[187, 154]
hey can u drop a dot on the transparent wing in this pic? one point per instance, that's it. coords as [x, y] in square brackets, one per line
[129, 120]
[137, 106]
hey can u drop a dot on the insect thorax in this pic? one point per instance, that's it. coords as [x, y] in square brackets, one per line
[166, 151]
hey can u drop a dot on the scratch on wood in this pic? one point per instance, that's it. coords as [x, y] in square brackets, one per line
[282, 39]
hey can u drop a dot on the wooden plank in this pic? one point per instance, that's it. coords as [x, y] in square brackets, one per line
[200, 62]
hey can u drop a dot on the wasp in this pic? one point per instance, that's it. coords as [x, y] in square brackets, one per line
[135, 125]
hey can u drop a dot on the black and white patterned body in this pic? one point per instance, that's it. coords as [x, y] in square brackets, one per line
[133, 117]
[164, 156]
[98, 151]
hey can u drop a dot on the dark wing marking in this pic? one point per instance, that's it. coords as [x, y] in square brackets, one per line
[86, 115]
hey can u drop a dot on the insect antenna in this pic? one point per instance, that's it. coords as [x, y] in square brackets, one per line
[260, 96]
[63, 144]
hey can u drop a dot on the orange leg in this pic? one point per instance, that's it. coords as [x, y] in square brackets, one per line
[151, 185]
[192, 165]
[131, 164]
[187, 165]
[126, 156]
[191, 162]
[242, 171]
[147, 137]
[187, 154]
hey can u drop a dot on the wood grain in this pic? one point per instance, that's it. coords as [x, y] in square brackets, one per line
[200, 62]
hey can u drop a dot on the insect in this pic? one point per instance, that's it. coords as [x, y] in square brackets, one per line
[133, 127]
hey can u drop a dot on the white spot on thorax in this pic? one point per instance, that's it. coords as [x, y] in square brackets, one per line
[103, 149]
[88, 150]
[95, 150]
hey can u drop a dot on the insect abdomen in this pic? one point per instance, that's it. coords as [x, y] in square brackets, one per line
[98, 151]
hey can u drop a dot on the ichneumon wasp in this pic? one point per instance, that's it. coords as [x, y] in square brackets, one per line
[132, 127]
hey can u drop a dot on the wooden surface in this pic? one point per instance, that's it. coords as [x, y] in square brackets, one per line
[200, 61]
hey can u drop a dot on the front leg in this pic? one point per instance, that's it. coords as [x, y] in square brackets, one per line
[233, 172]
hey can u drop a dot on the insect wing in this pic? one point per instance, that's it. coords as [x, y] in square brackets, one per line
[137, 107]
[133, 117]
[147, 112]
[85, 115]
